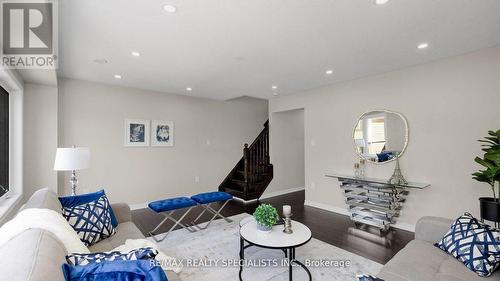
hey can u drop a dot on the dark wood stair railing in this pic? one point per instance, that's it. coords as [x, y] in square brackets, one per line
[253, 173]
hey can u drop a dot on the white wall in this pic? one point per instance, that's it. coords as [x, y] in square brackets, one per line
[209, 138]
[286, 139]
[449, 104]
[40, 137]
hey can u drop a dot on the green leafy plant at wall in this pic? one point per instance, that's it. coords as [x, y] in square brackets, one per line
[490, 161]
[266, 215]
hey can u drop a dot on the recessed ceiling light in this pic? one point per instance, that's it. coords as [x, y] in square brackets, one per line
[169, 8]
[422, 46]
[135, 54]
[381, 2]
[329, 72]
[274, 87]
[189, 89]
[118, 76]
[275, 94]
[101, 61]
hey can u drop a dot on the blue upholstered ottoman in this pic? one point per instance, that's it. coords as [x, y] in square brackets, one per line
[209, 197]
[171, 204]
[166, 208]
[205, 199]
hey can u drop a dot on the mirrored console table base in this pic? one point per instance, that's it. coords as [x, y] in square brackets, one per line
[374, 202]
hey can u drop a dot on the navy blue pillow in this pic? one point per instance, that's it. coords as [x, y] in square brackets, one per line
[72, 201]
[368, 278]
[475, 244]
[138, 254]
[91, 220]
[384, 156]
[140, 270]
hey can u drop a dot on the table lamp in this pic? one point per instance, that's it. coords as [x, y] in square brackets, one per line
[72, 159]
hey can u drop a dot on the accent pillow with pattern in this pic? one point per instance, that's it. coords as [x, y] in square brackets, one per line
[474, 243]
[368, 278]
[92, 220]
[138, 254]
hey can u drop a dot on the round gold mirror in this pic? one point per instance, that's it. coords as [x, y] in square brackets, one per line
[380, 136]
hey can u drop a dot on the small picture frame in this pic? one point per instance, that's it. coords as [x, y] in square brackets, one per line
[136, 133]
[162, 133]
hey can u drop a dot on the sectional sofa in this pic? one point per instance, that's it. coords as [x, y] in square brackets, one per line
[37, 255]
[420, 260]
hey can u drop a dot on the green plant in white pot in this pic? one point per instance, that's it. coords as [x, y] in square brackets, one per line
[490, 206]
[266, 216]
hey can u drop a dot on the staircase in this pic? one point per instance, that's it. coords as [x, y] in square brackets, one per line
[253, 173]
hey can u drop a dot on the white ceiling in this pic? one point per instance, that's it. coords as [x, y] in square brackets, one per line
[229, 48]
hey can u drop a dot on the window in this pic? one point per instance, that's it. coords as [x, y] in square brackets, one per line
[376, 135]
[4, 141]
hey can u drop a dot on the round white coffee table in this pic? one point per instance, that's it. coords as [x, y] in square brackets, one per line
[276, 239]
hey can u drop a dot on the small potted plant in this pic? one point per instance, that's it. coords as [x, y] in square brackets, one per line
[265, 216]
[490, 206]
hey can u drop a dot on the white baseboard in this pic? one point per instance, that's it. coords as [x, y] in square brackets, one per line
[343, 211]
[138, 206]
[281, 192]
[327, 207]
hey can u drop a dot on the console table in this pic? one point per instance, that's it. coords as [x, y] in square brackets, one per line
[374, 201]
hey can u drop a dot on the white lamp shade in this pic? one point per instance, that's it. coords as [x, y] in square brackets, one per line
[69, 159]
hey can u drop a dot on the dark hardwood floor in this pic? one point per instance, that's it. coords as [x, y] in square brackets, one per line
[332, 228]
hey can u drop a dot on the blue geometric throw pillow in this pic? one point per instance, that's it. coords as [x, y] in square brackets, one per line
[475, 244]
[138, 254]
[368, 278]
[74, 200]
[91, 221]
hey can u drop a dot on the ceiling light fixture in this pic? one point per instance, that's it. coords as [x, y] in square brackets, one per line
[169, 8]
[381, 2]
[189, 89]
[274, 87]
[135, 54]
[422, 46]
[117, 76]
[329, 72]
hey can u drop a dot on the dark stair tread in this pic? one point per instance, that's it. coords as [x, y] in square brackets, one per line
[241, 194]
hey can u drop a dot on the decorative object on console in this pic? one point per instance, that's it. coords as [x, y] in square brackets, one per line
[136, 132]
[287, 213]
[490, 206]
[357, 170]
[475, 244]
[265, 216]
[90, 215]
[378, 134]
[362, 168]
[373, 201]
[162, 133]
[72, 159]
[397, 177]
